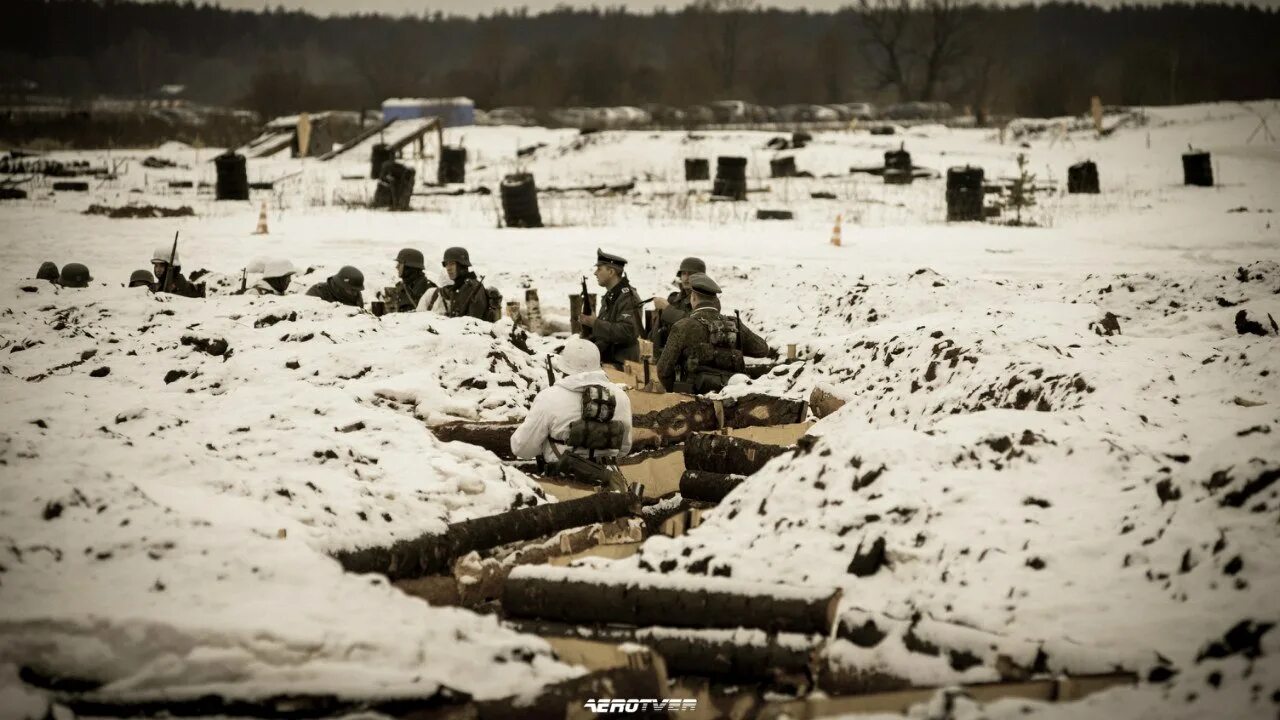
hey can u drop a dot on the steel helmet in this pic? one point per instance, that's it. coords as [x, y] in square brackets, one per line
[458, 255]
[352, 277]
[141, 277]
[411, 258]
[277, 267]
[162, 253]
[48, 271]
[74, 275]
[692, 265]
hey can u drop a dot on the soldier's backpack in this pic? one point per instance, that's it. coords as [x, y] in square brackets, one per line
[493, 313]
[595, 431]
[710, 364]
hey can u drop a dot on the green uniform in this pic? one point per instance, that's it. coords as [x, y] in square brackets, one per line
[465, 297]
[617, 329]
[704, 350]
[412, 286]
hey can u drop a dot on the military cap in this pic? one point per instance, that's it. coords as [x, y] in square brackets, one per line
[141, 277]
[74, 275]
[458, 255]
[692, 265]
[703, 284]
[48, 271]
[604, 258]
[411, 258]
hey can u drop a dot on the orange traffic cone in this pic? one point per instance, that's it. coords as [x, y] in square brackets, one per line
[835, 232]
[262, 221]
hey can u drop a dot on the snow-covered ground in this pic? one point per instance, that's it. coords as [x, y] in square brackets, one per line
[168, 505]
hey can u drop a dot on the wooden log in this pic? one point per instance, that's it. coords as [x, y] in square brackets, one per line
[728, 455]
[492, 436]
[823, 401]
[682, 416]
[430, 554]
[585, 595]
[705, 486]
[760, 409]
[727, 655]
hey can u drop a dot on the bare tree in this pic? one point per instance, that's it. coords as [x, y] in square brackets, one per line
[887, 23]
[915, 49]
[722, 24]
[944, 46]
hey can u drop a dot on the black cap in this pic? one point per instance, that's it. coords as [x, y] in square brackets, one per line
[703, 284]
[604, 258]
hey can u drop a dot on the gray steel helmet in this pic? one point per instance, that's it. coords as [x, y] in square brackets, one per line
[48, 271]
[74, 275]
[692, 265]
[352, 277]
[411, 258]
[141, 277]
[458, 255]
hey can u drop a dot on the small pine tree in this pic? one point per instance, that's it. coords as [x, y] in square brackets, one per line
[1022, 191]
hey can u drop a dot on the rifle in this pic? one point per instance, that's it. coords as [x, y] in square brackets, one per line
[244, 280]
[168, 269]
[586, 307]
[737, 316]
[551, 373]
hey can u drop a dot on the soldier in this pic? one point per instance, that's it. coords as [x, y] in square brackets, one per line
[142, 278]
[74, 275]
[581, 419]
[171, 282]
[676, 306]
[276, 276]
[406, 294]
[48, 271]
[615, 328]
[465, 296]
[705, 349]
[342, 287]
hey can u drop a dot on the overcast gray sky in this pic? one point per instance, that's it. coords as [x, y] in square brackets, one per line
[476, 7]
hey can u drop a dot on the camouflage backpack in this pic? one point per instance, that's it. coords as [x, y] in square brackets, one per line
[596, 430]
[720, 351]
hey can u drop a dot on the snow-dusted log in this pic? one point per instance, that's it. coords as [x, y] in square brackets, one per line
[430, 554]
[492, 436]
[823, 401]
[707, 486]
[672, 424]
[584, 595]
[727, 655]
[758, 409]
[727, 454]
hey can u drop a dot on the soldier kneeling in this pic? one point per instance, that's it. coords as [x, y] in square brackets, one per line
[580, 426]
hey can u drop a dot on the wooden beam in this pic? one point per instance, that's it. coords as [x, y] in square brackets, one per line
[434, 553]
[584, 595]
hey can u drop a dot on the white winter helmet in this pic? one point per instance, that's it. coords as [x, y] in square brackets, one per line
[162, 255]
[276, 267]
[578, 356]
[256, 265]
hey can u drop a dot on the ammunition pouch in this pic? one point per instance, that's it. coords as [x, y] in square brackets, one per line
[593, 436]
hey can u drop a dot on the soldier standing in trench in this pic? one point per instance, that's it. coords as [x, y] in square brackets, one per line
[676, 306]
[615, 329]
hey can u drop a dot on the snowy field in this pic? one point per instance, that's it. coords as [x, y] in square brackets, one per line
[168, 507]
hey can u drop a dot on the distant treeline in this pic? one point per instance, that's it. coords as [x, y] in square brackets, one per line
[1030, 60]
